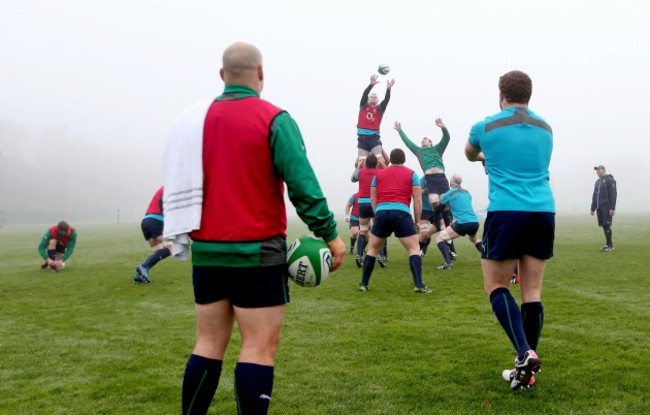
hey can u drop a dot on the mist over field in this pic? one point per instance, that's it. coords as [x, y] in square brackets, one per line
[89, 90]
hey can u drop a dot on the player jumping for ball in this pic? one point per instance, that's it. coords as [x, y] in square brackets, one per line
[370, 114]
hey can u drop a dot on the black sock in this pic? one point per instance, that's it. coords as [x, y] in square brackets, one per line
[361, 241]
[200, 384]
[253, 387]
[444, 250]
[532, 316]
[415, 263]
[479, 247]
[156, 257]
[509, 316]
[608, 235]
[368, 267]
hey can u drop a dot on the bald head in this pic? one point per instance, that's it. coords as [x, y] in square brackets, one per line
[242, 65]
[456, 180]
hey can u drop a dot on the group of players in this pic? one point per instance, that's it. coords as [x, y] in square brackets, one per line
[441, 206]
[252, 287]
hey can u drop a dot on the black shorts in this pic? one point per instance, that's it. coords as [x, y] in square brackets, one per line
[511, 235]
[151, 228]
[393, 221]
[368, 142]
[436, 183]
[604, 218]
[427, 215]
[365, 211]
[244, 287]
[464, 229]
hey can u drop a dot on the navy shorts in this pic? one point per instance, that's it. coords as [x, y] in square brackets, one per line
[365, 211]
[244, 287]
[436, 183]
[464, 229]
[427, 215]
[393, 221]
[151, 228]
[354, 222]
[368, 142]
[604, 218]
[511, 235]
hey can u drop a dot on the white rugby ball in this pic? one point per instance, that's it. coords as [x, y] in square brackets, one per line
[383, 69]
[309, 260]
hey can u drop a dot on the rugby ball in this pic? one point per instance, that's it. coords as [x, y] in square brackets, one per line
[308, 260]
[383, 69]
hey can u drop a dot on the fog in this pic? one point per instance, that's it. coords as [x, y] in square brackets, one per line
[90, 88]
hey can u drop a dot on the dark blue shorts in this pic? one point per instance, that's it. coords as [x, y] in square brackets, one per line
[604, 218]
[511, 235]
[151, 228]
[365, 211]
[368, 142]
[436, 183]
[243, 287]
[393, 221]
[354, 222]
[427, 215]
[464, 229]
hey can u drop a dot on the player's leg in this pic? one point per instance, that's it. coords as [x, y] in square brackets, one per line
[254, 373]
[442, 240]
[214, 318]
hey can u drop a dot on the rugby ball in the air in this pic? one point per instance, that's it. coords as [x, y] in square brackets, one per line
[383, 69]
[309, 260]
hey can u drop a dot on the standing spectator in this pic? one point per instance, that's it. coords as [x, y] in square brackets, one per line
[219, 153]
[603, 204]
[152, 230]
[57, 245]
[516, 145]
[371, 112]
[392, 190]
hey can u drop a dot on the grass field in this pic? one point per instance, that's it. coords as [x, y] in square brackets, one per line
[87, 340]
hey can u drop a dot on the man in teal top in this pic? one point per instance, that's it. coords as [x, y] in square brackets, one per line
[516, 146]
[465, 220]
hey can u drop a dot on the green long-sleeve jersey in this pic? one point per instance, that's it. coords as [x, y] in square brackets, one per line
[428, 157]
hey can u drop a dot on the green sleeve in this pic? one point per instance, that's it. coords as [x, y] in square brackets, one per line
[444, 141]
[303, 189]
[410, 144]
[42, 246]
[71, 244]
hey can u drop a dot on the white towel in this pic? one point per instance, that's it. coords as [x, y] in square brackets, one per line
[182, 164]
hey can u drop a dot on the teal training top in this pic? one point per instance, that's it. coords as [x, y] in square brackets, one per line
[460, 204]
[517, 145]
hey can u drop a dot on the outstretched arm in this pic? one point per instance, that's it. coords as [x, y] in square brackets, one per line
[364, 97]
[384, 103]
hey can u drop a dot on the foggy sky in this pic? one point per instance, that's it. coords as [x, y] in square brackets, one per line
[90, 88]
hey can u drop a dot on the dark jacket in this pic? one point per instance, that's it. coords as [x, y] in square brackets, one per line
[604, 196]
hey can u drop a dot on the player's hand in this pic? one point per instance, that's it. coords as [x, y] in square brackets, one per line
[347, 219]
[389, 84]
[50, 261]
[338, 250]
[611, 212]
[592, 213]
[58, 264]
[439, 123]
[398, 126]
[374, 79]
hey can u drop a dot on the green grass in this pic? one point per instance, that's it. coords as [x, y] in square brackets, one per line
[87, 341]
